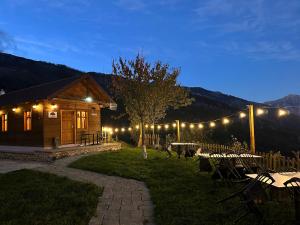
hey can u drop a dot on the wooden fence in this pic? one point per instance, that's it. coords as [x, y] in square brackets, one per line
[275, 161]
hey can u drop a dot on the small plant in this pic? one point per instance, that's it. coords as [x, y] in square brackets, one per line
[237, 145]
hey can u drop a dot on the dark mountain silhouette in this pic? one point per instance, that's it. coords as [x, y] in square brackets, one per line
[290, 100]
[272, 133]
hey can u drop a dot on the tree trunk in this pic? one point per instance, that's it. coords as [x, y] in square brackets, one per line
[153, 135]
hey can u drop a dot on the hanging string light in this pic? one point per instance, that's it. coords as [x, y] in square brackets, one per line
[226, 121]
[212, 124]
[283, 112]
[242, 115]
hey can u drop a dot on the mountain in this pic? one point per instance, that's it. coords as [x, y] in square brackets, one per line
[290, 100]
[272, 133]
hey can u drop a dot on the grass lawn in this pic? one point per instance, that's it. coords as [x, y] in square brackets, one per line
[33, 198]
[181, 194]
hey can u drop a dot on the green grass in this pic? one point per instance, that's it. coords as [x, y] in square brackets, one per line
[181, 194]
[34, 198]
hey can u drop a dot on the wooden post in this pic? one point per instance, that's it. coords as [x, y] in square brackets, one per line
[251, 125]
[178, 130]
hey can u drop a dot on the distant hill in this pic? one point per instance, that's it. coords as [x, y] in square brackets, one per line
[290, 100]
[271, 133]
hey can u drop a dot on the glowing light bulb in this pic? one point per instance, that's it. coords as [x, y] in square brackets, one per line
[200, 126]
[35, 106]
[159, 127]
[146, 126]
[116, 130]
[226, 121]
[137, 127]
[123, 129]
[167, 126]
[88, 99]
[260, 112]
[174, 125]
[53, 106]
[192, 126]
[242, 115]
[183, 125]
[129, 129]
[212, 124]
[282, 112]
[152, 127]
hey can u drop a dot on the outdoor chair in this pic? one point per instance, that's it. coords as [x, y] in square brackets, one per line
[249, 196]
[219, 166]
[293, 185]
[85, 138]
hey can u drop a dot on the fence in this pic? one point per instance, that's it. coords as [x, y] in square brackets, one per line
[275, 161]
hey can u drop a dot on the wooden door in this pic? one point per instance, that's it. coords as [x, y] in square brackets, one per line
[67, 127]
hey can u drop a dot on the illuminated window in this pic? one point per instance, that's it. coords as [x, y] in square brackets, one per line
[82, 119]
[4, 122]
[27, 120]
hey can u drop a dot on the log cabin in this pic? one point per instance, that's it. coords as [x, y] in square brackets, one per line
[51, 115]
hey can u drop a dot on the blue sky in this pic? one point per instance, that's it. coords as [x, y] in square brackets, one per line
[249, 49]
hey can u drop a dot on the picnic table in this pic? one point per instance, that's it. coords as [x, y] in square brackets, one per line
[182, 147]
[280, 179]
[205, 164]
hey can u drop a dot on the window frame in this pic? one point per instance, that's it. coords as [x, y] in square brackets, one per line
[82, 119]
[4, 122]
[28, 118]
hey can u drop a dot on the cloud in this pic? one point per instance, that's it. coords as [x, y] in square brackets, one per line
[256, 50]
[226, 16]
[6, 42]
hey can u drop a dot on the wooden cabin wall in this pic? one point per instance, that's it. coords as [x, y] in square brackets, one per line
[52, 126]
[15, 135]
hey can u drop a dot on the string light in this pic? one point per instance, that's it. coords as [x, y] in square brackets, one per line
[226, 121]
[54, 106]
[200, 126]
[282, 112]
[260, 112]
[242, 115]
[212, 124]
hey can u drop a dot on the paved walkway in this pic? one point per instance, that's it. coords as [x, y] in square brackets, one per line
[12, 165]
[124, 201]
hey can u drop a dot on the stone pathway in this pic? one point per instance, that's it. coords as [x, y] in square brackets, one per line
[124, 201]
[13, 165]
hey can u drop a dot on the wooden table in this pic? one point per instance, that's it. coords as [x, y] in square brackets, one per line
[280, 179]
[180, 147]
[233, 155]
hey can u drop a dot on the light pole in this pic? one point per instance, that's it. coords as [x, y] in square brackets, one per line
[178, 130]
[251, 126]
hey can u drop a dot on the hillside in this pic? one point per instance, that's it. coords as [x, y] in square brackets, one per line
[271, 133]
[290, 100]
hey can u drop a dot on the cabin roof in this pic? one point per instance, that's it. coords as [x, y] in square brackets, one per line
[45, 91]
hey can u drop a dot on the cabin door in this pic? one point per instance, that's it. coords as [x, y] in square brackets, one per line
[67, 127]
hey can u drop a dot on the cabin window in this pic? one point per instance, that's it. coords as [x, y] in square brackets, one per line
[27, 120]
[82, 122]
[4, 122]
